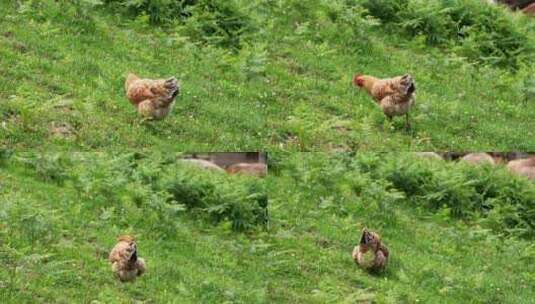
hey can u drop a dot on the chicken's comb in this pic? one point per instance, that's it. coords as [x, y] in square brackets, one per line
[126, 238]
[356, 77]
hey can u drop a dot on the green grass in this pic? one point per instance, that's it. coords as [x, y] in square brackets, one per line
[321, 202]
[55, 238]
[60, 217]
[288, 87]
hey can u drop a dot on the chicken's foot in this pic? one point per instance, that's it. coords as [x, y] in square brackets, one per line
[407, 122]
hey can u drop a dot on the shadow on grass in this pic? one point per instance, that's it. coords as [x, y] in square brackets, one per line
[389, 272]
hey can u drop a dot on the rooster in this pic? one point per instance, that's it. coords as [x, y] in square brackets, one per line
[154, 99]
[370, 253]
[125, 263]
[395, 95]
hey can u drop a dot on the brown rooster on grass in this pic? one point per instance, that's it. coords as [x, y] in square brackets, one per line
[153, 98]
[125, 263]
[395, 95]
[371, 253]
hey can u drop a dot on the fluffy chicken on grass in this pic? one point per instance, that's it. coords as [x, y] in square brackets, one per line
[125, 263]
[371, 253]
[395, 95]
[153, 98]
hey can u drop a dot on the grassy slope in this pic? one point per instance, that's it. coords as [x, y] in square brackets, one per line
[54, 246]
[433, 259]
[304, 101]
[87, 71]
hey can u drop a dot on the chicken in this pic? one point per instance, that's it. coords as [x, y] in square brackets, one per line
[370, 254]
[154, 99]
[125, 263]
[255, 169]
[395, 95]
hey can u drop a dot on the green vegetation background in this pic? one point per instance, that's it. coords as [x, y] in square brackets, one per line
[265, 75]
[201, 233]
[456, 233]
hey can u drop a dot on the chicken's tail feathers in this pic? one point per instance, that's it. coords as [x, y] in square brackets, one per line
[133, 257]
[363, 237]
[408, 81]
[173, 86]
[171, 83]
[130, 78]
[412, 88]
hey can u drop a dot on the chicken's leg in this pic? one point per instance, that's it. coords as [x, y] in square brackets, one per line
[380, 260]
[390, 120]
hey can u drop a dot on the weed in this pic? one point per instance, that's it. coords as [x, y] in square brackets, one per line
[55, 239]
[482, 33]
[244, 204]
[435, 256]
[282, 69]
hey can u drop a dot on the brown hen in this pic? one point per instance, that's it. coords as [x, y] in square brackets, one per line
[153, 98]
[371, 241]
[395, 95]
[125, 263]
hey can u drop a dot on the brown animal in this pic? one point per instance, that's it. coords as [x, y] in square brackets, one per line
[154, 99]
[371, 241]
[478, 159]
[525, 167]
[125, 263]
[395, 96]
[254, 169]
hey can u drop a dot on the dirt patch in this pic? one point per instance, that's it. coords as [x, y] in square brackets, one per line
[61, 130]
[20, 47]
